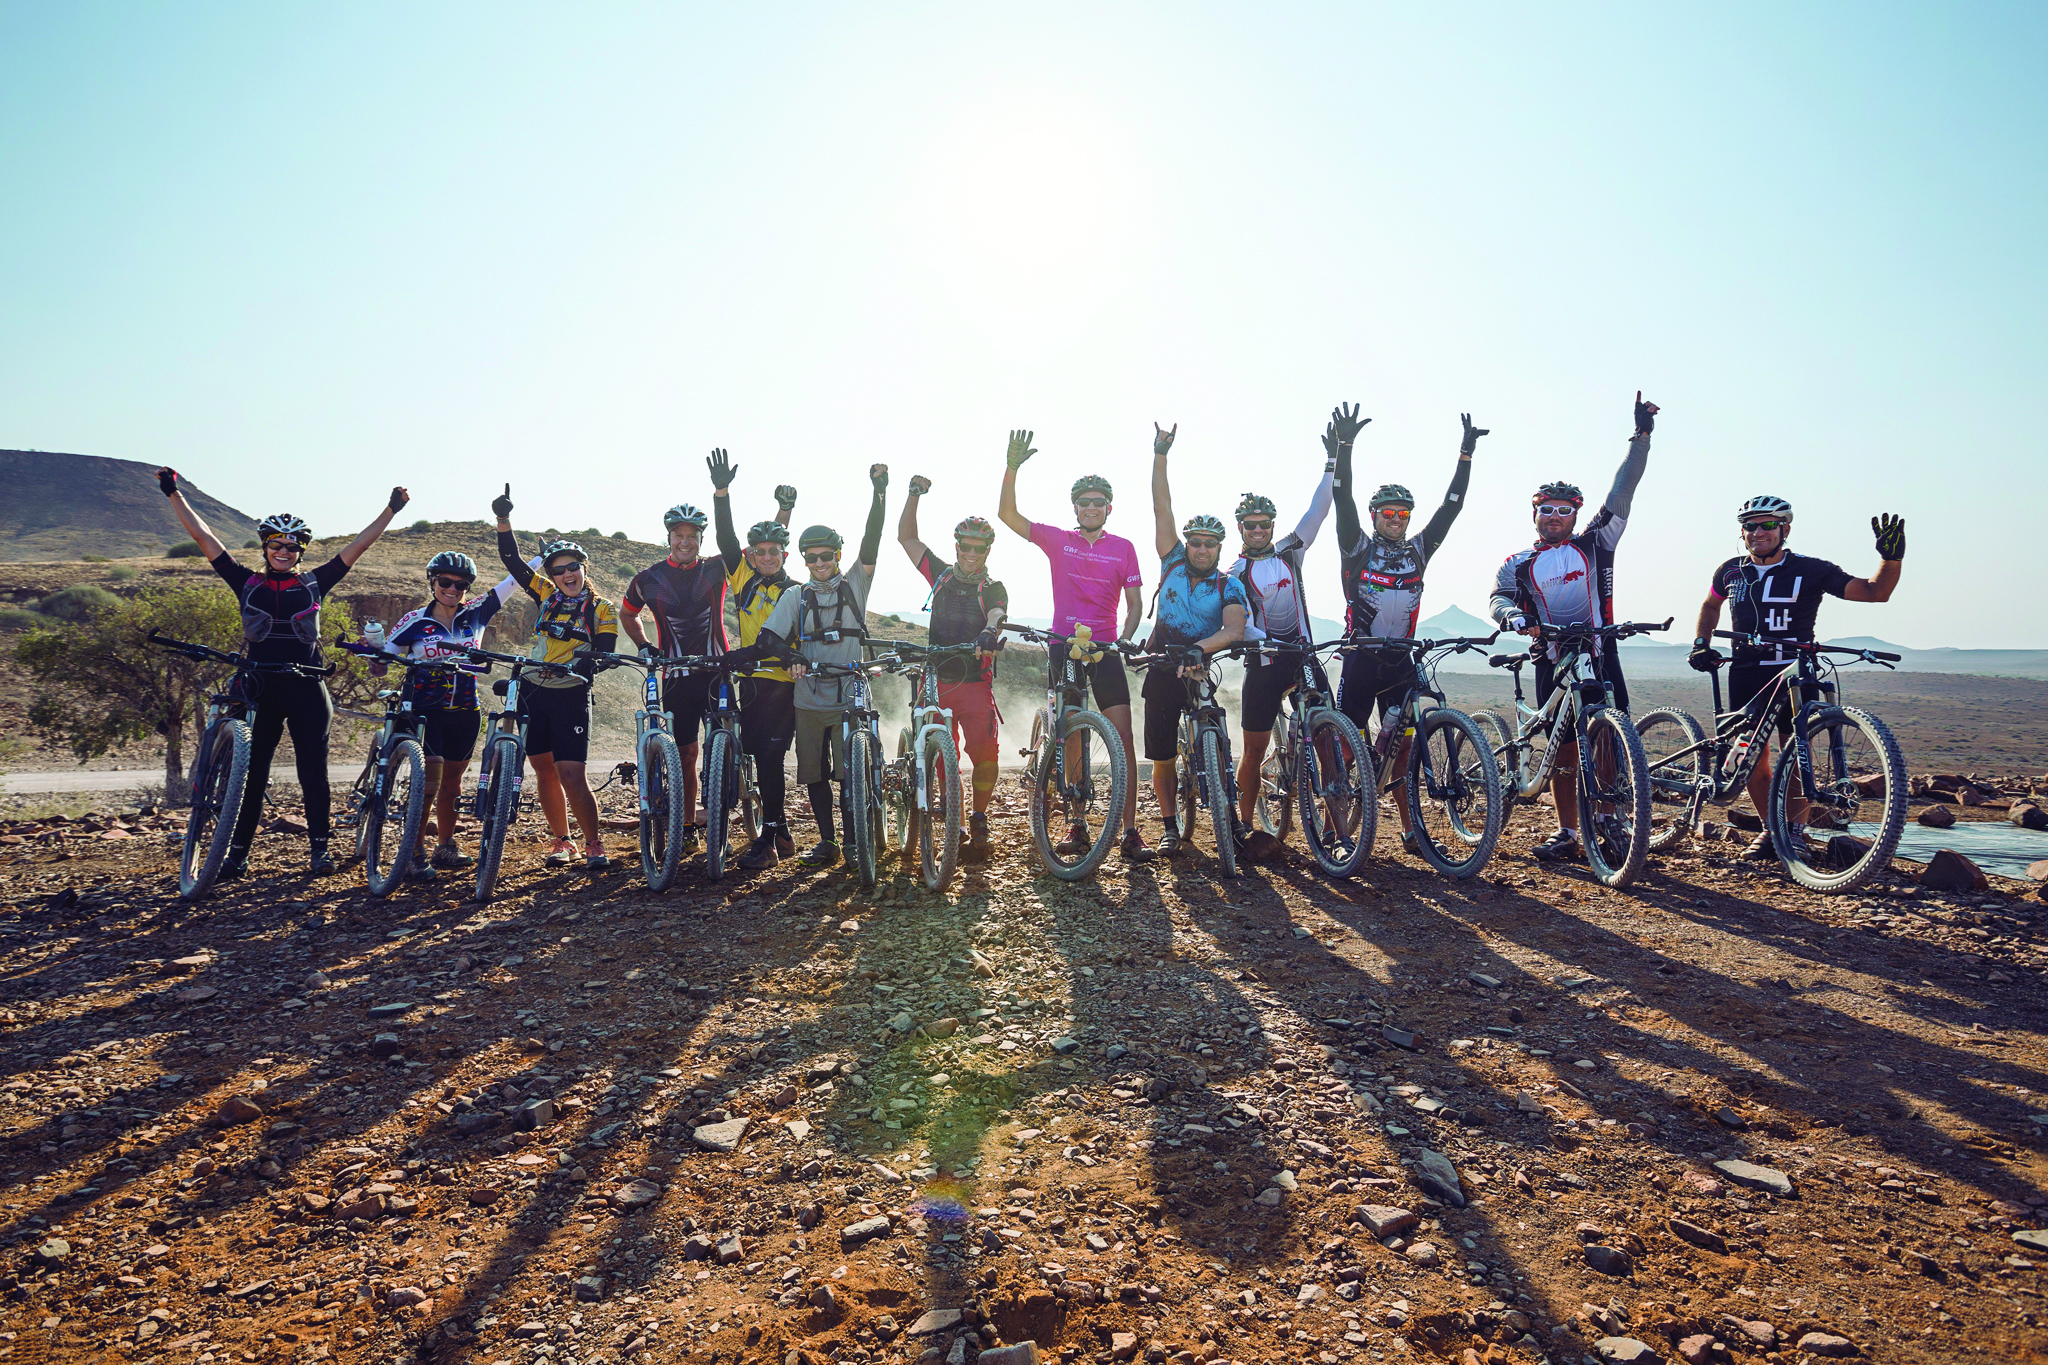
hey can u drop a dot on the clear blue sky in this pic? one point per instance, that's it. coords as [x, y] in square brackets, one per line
[305, 252]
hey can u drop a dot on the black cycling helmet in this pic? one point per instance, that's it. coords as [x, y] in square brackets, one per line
[1252, 504]
[975, 530]
[1558, 488]
[683, 513]
[765, 532]
[452, 562]
[814, 536]
[1391, 495]
[1091, 483]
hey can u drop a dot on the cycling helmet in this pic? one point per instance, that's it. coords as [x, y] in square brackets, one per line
[762, 532]
[975, 529]
[1764, 505]
[1256, 502]
[1202, 526]
[1391, 495]
[452, 562]
[285, 524]
[820, 535]
[683, 512]
[1557, 488]
[1090, 483]
[562, 547]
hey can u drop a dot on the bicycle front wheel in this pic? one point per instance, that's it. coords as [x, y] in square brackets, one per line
[1216, 792]
[863, 813]
[390, 824]
[748, 811]
[360, 793]
[498, 807]
[1676, 766]
[1614, 797]
[216, 804]
[1073, 819]
[661, 828]
[1187, 800]
[903, 823]
[1272, 809]
[1859, 776]
[937, 825]
[1453, 796]
[1335, 784]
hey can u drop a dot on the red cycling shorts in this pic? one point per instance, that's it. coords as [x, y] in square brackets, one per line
[975, 717]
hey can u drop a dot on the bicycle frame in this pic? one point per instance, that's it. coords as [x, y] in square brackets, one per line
[1406, 719]
[1581, 685]
[1302, 699]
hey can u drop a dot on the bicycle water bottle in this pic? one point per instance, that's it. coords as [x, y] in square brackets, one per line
[373, 634]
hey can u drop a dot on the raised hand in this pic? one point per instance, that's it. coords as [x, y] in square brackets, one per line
[1346, 423]
[1162, 441]
[722, 470]
[1646, 415]
[785, 496]
[878, 475]
[919, 485]
[399, 498]
[1891, 536]
[1020, 449]
[167, 479]
[501, 506]
[1330, 445]
[1472, 434]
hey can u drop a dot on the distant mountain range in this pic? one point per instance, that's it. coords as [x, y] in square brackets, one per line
[62, 506]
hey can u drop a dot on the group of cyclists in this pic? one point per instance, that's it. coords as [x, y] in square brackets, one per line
[790, 639]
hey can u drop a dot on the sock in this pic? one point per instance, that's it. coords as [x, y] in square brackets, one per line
[1567, 829]
[821, 806]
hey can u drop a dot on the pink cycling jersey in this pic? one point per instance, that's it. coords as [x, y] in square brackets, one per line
[1088, 580]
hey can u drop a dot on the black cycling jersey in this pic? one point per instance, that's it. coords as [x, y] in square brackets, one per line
[281, 612]
[688, 605]
[1777, 601]
[960, 609]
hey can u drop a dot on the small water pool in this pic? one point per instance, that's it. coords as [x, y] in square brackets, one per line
[1996, 847]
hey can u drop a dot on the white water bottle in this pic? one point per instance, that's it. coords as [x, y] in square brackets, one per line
[373, 634]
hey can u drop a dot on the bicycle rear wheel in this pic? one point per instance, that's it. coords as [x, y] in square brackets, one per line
[937, 826]
[217, 797]
[1187, 797]
[661, 828]
[901, 799]
[390, 828]
[748, 810]
[360, 793]
[1667, 734]
[1613, 773]
[1453, 795]
[863, 814]
[1054, 809]
[1273, 808]
[497, 808]
[1858, 774]
[1215, 767]
[1335, 785]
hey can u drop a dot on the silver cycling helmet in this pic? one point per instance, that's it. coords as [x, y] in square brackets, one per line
[1764, 505]
[681, 513]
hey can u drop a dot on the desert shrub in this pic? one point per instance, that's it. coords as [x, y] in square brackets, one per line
[96, 559]
[184, 549]
[79, 602]
[252, 544]
[20, 618]
[422, 525]
[618, 535]
[122, 573]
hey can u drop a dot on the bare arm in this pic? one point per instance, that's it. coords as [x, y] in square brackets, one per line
[1006, 507]
[196, 527]
[906, 525]
[1134, 613]
[1877, 588]
[1230, 634]
[1710, 618]
[360, 546]
[1165, 535]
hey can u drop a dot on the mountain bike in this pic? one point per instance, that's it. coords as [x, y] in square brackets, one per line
[1842, 759]
[1614, 780]
[220, 771]
[387, 803]
[657, 771]
[921, 787]
[1320, 762]
[501, 769]
[1450, 782]
[1059, 770]
[1203, 775]
[860, 785]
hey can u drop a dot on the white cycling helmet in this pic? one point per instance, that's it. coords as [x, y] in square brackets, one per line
[1764, 505]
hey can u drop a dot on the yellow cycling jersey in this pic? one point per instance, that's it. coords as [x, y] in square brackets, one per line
[748, 600]
[567, 624]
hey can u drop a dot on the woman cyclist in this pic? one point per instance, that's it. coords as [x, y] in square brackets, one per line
[445, 701]
[557, 704]
[281, 624]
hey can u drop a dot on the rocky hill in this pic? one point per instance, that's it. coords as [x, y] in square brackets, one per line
[62, 506]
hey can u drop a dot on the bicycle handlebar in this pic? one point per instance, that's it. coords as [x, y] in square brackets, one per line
[241, 663]
[1039, 636]
[609, 660]
[516, 662]
[1876, 656]
[376, 655]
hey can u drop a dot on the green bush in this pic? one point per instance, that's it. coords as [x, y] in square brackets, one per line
[184, 549]
[422, 525]
[618, 535]
[122, 573]
[79, 602]
[19, 618]
[96, 559]
[252, 544]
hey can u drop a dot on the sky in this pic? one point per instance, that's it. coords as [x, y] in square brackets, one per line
[306, 252]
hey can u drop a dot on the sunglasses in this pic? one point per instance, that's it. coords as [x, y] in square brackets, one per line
[1397, 513]
[291, 545]
[820, 556]
[1749, 526]
[458, 584]
[1262, 524]
[766, 547]
[557, 570]
[1558, 510]
[970, 547]
[1091, 502]
[1203, 543]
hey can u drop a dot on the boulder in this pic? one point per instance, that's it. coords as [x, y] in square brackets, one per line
[1949, 870]
[1610, 1261]
[1698, 1236]
[238, 1109]
[2038, 870]
[1383, 1221]
[2027, 815]
[1017, 1353]
[1827, 1344]
[1627, 1351]
[720, 1137]
[1756, 1177]
[1936, 817]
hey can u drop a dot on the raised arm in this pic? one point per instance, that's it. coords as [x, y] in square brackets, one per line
[1165, 535]
[1311, 524]
[1454, 500]
[1006, 506]
[1891, 550]
[871, 537]
[1337, 438]
[360, 546]
[195, 525]
[723, 471]
[785, 503]
[906, 525]
[508, 545]
[1621, 497]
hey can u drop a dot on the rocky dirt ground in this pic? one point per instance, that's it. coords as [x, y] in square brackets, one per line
[1160, 1115]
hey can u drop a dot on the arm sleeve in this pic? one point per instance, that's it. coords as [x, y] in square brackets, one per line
[1347, 506]
[871, 538]
[998, 597]
[1454, 503]
[330, 573]
[231, 573]
[487, 606]
[1311, 524]
[770, 647]
[508, 555]
[1506, 600]
[729, 548]
[1622, 496]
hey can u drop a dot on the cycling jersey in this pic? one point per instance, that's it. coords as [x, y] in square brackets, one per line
[960, 609]
[1778, 601]
[748, 596]
[420, 635]
[1088, 577]
[1191, 608]
[1572, 582]
[1383, 578]
[688, 605]
[1273, 582]
[281, 612]
[825, 623]
[565, 624]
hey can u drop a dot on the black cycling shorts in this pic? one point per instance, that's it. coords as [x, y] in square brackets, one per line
[767, 716]
[1107, 683]
[558, 722]
[1546, 681]
[449, 734]
[1166, 701]
[1747, 681]
[1385, 676]
[1266, 681]
[684, 699]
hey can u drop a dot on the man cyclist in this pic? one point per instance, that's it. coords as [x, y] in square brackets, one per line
[966, 606]
[1567, 578]
[1089, 567]
[1383, 567]
[823, 620]
[1271, 574]
[1775, 593]
[754, 582]
[1201, 610]
[687, 595]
